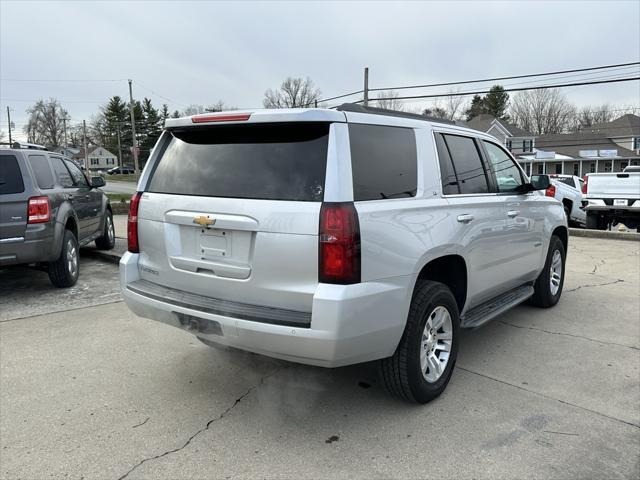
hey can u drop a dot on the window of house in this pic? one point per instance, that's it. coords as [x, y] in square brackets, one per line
[540, 168]
[507, 174]
[592, 168]
[636, 143]
[558, 168]
[509, 145]
[467, 164]
[607, 166]
[576, 169]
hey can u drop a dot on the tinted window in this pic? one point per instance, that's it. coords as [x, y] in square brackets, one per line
[77, 175]
[467, 164]
[565, 180]
[449, 180]
[10, 176]
[269, 161]
[507, 174]
[64, 177]
[383, 162]
[42, 171]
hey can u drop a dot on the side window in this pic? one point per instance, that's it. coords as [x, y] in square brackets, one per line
[64, 177]
[508, 175]
[10, 175]
[384, 162]
[42, 171]
[449, 181]
[78, 177]
[467, 164]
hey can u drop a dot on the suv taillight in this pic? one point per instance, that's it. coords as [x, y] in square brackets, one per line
[132, 224]
[550, 191]
[38, 210]
[339, 244]
[585, 183]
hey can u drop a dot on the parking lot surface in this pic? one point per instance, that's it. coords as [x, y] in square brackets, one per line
[96, 392]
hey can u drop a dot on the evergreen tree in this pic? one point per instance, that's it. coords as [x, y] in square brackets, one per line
[151, 128]
[117, 117]
[496, 102]
[164, 113]
[477, 107]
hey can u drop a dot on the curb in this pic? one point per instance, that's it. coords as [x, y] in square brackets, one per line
[604, 234]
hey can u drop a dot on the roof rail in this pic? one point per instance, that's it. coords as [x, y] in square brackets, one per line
[29, 146]
[354, 107]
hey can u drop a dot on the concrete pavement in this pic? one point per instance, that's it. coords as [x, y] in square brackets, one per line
[97, 392]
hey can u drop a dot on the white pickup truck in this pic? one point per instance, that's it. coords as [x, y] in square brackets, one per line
[568, 191]
[613, 198]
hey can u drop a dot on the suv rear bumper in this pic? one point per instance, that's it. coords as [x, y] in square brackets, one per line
[37, 245]
[349, 323]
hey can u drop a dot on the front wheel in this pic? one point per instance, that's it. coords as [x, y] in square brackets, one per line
[548, 286]
[422, 365]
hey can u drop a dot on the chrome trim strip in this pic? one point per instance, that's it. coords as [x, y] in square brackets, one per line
[216, 306]
[11, 239]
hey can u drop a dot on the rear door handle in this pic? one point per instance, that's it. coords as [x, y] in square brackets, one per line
[465, 218]
[513, 213]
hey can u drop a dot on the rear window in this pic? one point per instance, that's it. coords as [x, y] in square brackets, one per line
[565, 180]
[467, 164]
[42, 171]
[383, 162]
[10, 175]
[271, 161]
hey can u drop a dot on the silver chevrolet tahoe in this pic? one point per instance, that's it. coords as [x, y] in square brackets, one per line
[333, 237]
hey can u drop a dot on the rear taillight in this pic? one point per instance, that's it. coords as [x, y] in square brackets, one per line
[132, 224]
[339, 244]
[584, 185]
[550, 191]
[38, 210]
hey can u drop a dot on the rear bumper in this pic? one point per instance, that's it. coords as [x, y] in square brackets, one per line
[37, 245]
[349, 323]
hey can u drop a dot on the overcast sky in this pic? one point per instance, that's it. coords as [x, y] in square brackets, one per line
[201, 52]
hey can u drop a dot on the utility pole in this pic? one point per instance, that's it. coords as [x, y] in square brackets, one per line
[64, 123]
[9, 119]
[84, 140]
[119, 148]
[136, 168]
[366, 86]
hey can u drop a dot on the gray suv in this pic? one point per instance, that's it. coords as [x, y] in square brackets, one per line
[333, 237]
[48, 209]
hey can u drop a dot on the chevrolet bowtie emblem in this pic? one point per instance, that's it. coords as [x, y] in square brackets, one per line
[204, 221]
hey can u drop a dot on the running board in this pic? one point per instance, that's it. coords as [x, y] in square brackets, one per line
[487, 311]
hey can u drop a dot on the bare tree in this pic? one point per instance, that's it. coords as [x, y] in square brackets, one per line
[193, 109]
[219, 106]
[46, 124]
[542, 111]
[388, 99]
[293, 93]
[1, 135]
[451, 107]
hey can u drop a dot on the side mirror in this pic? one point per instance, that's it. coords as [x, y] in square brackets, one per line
[540, 182]
[97, 182]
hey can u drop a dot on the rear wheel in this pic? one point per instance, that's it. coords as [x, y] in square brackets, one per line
[548, 286]
[64, 271]
[422, 365]
[108, 238]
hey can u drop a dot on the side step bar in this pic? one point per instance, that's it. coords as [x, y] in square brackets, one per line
[487, 311]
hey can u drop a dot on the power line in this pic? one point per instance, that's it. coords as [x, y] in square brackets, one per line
[60, 80]
[511, 77]
[484, 92]
[158, 95]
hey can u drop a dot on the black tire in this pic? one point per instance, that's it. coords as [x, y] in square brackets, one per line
[108, 239]
[543, 296]
[402, 374]
[595, 221]
[64, 271]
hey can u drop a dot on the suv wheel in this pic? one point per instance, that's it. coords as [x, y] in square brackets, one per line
[548, 286]
[64, 271]
[108, 238]
[422, 365]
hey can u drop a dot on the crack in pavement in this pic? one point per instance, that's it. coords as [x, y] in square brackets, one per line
[549, 397]
[567, 335]
[619, 280]
[203, 429]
